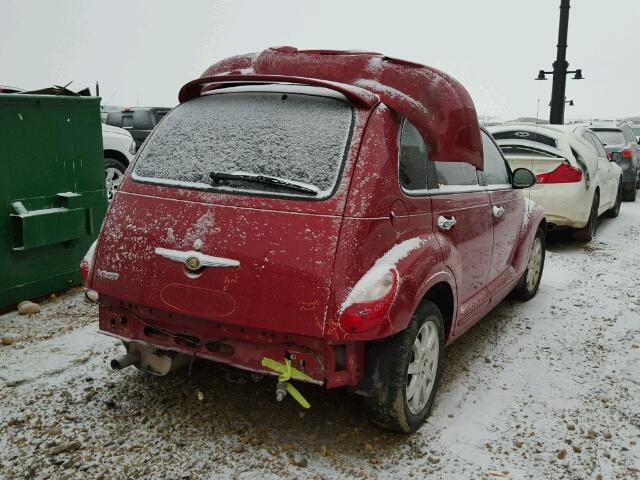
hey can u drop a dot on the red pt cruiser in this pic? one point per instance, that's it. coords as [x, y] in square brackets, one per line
[336, 217]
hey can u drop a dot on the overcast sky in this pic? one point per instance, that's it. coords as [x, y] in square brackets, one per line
[141, 52]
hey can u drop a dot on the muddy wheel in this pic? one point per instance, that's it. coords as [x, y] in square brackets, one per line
[405, 372]
[530, 281]
[586, 233]
[615, 210]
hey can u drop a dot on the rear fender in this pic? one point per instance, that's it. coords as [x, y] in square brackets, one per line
[419, 267]
[532, 219]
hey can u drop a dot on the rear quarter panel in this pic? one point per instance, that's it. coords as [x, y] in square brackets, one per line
[379, 217]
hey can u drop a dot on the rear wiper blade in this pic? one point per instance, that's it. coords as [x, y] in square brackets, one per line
[218, 178]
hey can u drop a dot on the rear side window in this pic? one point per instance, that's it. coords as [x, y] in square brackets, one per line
[294, 138]
[454, 173]
[495, 169]
[610, 136]
[413, 159]
[596, 142]
[629, 136]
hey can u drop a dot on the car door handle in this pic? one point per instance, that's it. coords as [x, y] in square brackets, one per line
[498, 212]
[445, 223]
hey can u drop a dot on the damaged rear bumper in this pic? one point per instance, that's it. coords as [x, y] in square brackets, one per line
[326, 362]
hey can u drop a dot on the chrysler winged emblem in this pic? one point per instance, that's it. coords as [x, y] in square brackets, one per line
[192, 263]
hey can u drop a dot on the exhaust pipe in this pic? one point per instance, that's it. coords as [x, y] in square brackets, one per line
[124, 361]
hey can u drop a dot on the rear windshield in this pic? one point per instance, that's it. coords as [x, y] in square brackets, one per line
[296, 138]
[610, 137]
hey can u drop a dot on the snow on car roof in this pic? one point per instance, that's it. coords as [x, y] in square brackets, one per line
[437, 104]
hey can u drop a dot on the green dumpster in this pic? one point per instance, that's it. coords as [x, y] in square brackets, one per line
[52, 198]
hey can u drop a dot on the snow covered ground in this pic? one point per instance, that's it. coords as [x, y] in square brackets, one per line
[543, 390]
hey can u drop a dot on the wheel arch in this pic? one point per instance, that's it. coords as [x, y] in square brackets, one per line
[117, 155]
[442, 296]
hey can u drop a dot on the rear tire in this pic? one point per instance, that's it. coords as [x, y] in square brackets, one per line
[629, 195]
[615, 210]
[586, 233]
[401, 398]
[528, 285]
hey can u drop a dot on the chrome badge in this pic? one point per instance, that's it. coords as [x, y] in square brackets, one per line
[192, 263]
[108, 275]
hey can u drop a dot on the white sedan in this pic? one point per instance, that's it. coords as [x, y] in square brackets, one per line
[576, 182]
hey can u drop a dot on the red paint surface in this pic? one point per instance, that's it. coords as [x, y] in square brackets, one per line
[300, 259]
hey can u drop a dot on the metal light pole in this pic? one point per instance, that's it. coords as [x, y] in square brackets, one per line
[560, 68]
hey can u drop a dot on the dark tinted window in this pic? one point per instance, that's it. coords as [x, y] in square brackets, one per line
[495, 170]
[127, 121]
[295, 137]
[142, 120]
[528, 151]
[526, 135]
[610, 136]
[413, 159]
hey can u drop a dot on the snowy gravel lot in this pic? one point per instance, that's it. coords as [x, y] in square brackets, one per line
[543, 390]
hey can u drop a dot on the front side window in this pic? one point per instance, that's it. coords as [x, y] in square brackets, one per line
[413, 159]
[284, 143]
[495, 169]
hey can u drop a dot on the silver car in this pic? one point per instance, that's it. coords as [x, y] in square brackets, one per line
[622, 147]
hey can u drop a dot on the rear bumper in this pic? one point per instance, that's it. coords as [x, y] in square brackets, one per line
[327, 363]
[565, 204]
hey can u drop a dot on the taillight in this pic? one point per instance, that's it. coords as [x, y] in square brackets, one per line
[564, 173]
[627, 153]
[87, 263]
[370, 300]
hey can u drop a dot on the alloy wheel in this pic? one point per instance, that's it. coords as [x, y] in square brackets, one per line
[534, 267]
[113, 179]
[422, 369]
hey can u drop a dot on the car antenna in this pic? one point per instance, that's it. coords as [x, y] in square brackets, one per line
[112, 95]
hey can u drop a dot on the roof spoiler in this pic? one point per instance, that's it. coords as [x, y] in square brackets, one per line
[195, 88]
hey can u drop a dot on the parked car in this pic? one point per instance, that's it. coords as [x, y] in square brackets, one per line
[8, 89]
[330, 217]
[636, 131]
[119, 149]
[138, 121]
[576, 182]
[621, 139]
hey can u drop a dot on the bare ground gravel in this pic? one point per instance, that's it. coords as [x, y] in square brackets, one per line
[545, 389]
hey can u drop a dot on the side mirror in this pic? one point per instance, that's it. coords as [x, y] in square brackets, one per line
[616, 156]
[523, 178]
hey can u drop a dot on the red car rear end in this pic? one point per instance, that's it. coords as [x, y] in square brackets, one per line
[281, 215]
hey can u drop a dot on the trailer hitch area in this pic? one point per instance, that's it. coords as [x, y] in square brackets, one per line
[287, 372]
[151, 360]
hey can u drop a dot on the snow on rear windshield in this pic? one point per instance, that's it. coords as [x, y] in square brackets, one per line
[291, 136]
